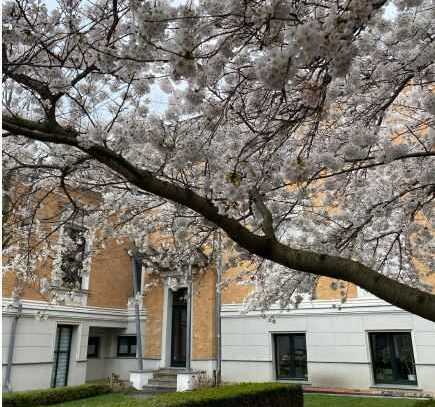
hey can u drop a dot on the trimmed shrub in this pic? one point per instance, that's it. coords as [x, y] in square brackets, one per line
[52, 396]
[246, 395]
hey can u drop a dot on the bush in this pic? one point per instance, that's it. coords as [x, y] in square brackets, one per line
[246, 395]
[52, 396]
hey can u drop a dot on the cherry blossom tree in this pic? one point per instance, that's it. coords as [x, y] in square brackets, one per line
[302, 129]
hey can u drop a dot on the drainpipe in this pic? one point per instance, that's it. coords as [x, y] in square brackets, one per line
[218, 310]
[189, 317]
[139, 355]
[7, 385]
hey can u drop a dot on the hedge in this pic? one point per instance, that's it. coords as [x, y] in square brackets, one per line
[52, 396]
[245, 394]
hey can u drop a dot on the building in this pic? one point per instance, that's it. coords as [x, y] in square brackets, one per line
[364, 343]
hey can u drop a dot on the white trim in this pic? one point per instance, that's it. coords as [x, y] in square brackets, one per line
[69, 313]
[142, 280]
[165, 354]
[361, 293]
[320, 307]
[166, 341]
[81, 295]
[86, 270]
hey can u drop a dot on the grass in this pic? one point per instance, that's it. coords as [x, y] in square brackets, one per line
[311, 400]
[317, 400]
[107, 400]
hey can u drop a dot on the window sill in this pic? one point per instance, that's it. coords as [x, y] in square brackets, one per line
[80, 291]
[295, 381]
[396, 386]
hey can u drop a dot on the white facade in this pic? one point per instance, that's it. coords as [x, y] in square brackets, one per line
[337, 343]
[35, 343]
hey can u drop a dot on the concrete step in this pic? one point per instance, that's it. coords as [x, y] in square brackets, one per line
[165, 378]
[158, 389]
[169, 370]
[163, 381]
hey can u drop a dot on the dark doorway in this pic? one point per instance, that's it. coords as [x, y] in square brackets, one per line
[179, 328]
[62, 352]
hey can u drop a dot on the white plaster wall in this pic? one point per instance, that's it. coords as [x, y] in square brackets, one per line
[77, 366]
[95, 369]
[122, 366]
[340, 375]
[247, 371]
[34, 341]
[338, 351]
[34, 349]
[204, 365]
[30, 377]
[33, 352]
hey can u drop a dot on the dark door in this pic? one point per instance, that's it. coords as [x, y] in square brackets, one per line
[179, 328]
[62, 352]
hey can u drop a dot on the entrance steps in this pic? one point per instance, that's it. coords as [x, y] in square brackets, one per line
[163, 381]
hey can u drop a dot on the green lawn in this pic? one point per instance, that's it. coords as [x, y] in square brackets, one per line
[107, 400]
[314, 400]
[311, 400]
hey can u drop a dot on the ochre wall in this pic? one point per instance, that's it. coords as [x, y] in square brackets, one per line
[324, 290]
[235, 293]
[111, 282]
[203, 316]
[153, 303]
[31, 290]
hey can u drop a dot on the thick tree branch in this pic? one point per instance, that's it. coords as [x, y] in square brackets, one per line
[406, 297]
[267, 219]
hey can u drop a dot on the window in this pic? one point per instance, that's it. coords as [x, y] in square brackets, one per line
[62, 354]
[392, 358]
[127, 346]
[291, 356]
[93, 347]
[137, 274]
[72, 258]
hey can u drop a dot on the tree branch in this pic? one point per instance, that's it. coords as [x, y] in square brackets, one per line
[408, 298]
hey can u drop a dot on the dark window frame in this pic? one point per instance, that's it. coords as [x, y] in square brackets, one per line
[178, 334]
[58, 352]
[130, 344]
[137, 273]
[291, 336]
[71, 271]
[96, 354]
[393, 361]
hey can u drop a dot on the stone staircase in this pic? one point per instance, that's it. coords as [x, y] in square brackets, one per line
[164, 381]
